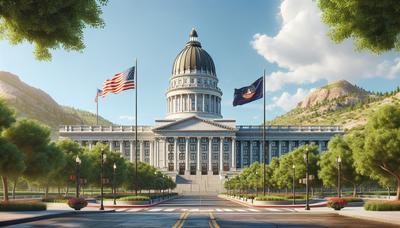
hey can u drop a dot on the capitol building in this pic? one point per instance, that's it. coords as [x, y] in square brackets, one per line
[194, 143]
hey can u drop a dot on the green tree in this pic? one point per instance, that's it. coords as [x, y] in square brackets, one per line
[374, 25]
[11, 163]
[32, 138]
[49, 24]
[377, 148]
[328, 172]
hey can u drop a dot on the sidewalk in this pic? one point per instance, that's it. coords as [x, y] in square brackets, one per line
[53, 210]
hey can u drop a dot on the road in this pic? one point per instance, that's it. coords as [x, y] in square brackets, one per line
[206, 211]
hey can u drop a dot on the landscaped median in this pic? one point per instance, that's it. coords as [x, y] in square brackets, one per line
[22, 206]
[273, 201]
[127, 201]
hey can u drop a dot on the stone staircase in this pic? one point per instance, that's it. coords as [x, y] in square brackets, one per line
[199, 184]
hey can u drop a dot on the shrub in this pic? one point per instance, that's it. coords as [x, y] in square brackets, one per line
[270, 198]
[77, 203]
[382, 205]
[337, 203]
[22, 206]
[134, 198]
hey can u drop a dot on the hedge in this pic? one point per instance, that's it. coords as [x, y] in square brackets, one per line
[382, 205]
[134, 198]
[22, 206]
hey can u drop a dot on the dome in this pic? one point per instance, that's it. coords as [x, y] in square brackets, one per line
[193, 58]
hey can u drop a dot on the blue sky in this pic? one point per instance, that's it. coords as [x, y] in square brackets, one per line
[155, 31]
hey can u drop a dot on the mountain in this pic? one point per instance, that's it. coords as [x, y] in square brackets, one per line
[34, 103]
[338, 103]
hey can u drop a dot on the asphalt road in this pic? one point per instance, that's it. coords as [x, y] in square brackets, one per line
[206, 211]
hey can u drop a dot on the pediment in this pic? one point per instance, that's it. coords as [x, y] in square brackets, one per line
[194, 124]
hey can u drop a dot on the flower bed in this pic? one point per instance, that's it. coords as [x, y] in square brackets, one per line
[381, 205]
[336, 203]
[22, 206]
[134, 198]
[77, 203]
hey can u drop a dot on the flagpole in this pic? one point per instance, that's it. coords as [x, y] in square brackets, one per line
[97, 109]
[136, 140]
[264, 135]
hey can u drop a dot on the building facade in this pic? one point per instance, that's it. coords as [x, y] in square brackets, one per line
[194, 139]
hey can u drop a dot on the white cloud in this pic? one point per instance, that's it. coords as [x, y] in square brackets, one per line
[306, 54]
[126, 117]
[287, 101]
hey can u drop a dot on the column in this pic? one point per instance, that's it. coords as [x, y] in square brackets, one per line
[221, 155]
[251, 151]
[203, 108]
[233, 156]
[209, 155]
[131, 150]
[121, 148]
[90, 144]
[320, 145]
[209, 103]
[280, 148]
[241, 155]
[111, 143]
[151, 153]
[269, 151]
[141, 153]
[165, 153]
[187, 169]
[195, 102]
[175, 153]
[290, 146]
[198, 155]
[181, 102]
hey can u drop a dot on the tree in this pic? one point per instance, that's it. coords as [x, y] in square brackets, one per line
[32, 138]
[328, 172]
[377, 148]
[374, 25]
[49, 24]
[11, 163]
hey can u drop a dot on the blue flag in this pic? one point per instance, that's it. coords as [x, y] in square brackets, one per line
[249, 93]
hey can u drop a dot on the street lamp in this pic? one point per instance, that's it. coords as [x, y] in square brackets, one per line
[339, 161]
[102, 159]
[294, 177]
[114, 168]
[307, 190]
[78, 164]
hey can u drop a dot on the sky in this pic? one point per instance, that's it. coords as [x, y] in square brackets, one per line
[286, 38]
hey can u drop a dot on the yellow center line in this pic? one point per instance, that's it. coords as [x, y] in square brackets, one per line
[213, 223]
[181, 220]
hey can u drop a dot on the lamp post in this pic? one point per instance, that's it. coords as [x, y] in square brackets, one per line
[294, 177]
[102, 158]
[78, 164]
[339, 161]
[307, 190]
[114, 191]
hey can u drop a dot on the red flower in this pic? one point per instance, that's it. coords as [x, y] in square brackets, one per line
[77, 203]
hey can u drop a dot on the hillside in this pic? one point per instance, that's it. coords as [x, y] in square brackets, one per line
[338, 103]
[34, 103]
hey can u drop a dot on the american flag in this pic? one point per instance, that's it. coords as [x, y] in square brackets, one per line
[120, 82]
[99, 93]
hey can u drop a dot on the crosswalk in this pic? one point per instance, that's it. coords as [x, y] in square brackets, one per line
[200, 210]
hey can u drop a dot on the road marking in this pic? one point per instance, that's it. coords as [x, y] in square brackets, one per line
[273, 209]
[254, 210]
[121, 209]
[134, 209]
[179, 223]
[218, 209]
[169, 209]
[212, 222]
[194, 210]
[240, 210]
[227, 209]
[156, 209]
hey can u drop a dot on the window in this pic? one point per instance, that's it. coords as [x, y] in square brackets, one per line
[215, 156]
[181, 147]
[226, 147]
[146, 152]
[192, 147]
[192, 80]
[170, 156]
[226, 156]
[192, 140]
[181, 156]
[170, 147]
[204, 147]
[192, 156]
[215, 147]
[204, 156]
[199, 81]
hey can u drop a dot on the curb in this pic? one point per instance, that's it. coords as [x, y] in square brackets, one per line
[49, 216]
[134, 206]
[323, 204]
